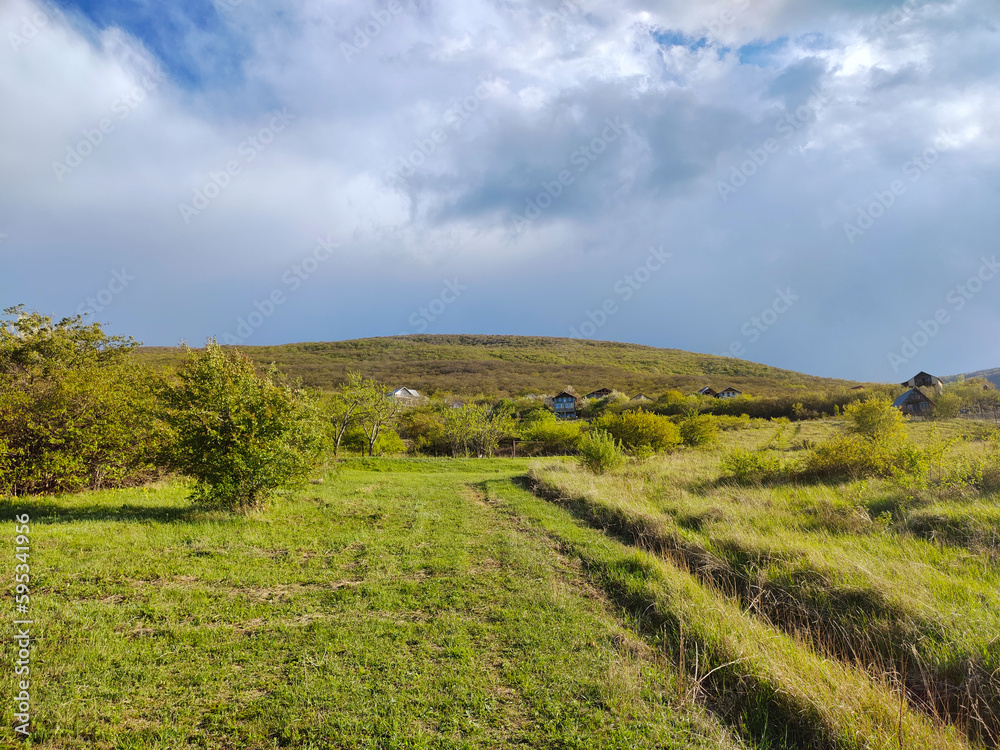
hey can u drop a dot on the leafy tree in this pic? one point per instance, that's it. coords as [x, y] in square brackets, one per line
[343, 407]
[490, 426]
[377, 410]
[237, 432]
[460, 426]
[76, 411]
[875, 420]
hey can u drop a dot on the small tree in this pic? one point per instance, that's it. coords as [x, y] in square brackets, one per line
[376, 411]
[600, 452]
[876, 420]
[237, 432]
[490, 426]
[343, 407]
[460, 425]
[699, 430]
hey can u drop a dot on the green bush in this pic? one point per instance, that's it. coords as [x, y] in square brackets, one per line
[854, 457]
[875, 420]
[641, 431]
[549, 436]
[699, 430]
[237, 432]
[76, 410]
[600, 452]
[752, 467]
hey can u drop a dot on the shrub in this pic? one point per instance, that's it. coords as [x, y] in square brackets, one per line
[550, 436]
[76, 411]
[699, 430]
[854, 457]
[752, 467]
[875, 420]
[600, 452]
[640, 430]
[239, 434]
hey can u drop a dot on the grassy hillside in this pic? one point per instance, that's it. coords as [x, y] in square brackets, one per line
[518, 365]
[992, 375]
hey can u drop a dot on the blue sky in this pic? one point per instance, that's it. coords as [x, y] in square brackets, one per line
[810, 185]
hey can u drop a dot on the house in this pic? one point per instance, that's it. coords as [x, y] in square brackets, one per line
[405, 394]
[924, 380]
[914, 403]
[565, 405]
[729, 392]
[641, 397]
[706, 391]
[599, 393]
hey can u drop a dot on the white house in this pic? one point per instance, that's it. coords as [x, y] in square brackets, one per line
[729, 392]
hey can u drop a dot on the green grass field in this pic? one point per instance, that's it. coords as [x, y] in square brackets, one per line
[440, 603]
[390, 607]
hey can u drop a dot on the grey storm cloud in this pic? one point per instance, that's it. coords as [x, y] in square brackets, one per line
[744, 136]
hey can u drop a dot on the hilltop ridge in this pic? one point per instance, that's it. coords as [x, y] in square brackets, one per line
[466, 364]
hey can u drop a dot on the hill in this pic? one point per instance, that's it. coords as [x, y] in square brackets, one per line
[517, 365]
[992, 375]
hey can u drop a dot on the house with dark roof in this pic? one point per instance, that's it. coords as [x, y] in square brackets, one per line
[707, 391]
[729, 392]
[565, 405]
[924, 380]
[599, 393]
[914, 403]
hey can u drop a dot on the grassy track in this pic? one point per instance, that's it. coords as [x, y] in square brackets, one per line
[383, 609]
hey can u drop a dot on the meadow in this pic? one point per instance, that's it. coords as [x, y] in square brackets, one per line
[476, 603]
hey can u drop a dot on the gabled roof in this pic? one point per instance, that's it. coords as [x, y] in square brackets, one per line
[914, 395]
[641, 397]
[565, 393]
[730, 388]
[706, 391]
[912, 382]
[405, 393]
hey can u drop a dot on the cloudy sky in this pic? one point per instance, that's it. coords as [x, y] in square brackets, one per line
[812, 185]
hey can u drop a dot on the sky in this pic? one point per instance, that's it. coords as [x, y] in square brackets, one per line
[811, 185]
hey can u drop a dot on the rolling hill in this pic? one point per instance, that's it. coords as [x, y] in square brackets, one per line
[516, 365]
[992, 375]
